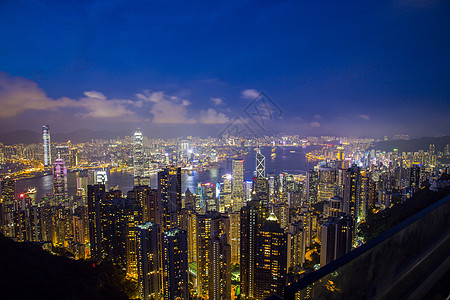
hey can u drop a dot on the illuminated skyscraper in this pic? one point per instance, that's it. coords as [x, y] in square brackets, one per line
[219, 268]
[238, 184]
[138, 158]
[47, 145]
[260, 164]
[149, 272]
[175, 264]
[251, 218]
[270, 259]
[352, 192]
[7, 204]
[209, 227]
[169, 192]
[60, 192]
[96, 203]
[225, 195]
[261, 189]
[327, 182]
[312, 184]
[336, 239]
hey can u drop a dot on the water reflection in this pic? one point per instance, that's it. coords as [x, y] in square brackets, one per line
[285, 161]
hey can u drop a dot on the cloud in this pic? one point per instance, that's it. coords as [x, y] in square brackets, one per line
[315, 124]
[19, 94]
[211, 116]
[98, 106]
[250, 94]
[217, 101]
[364, 116]
[317, 117]
[167, 109]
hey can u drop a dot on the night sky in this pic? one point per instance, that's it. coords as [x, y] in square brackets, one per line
[177, 68]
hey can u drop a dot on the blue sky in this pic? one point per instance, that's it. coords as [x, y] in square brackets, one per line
[189, 68]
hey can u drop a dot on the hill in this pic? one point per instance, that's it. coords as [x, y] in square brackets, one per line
[413, 144]
[28, 272]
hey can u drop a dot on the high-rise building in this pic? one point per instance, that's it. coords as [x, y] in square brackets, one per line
[96, 215]
[312, 184]
[175, 264]
[219, 268]
[169, 193]
[238, 184]
[327, 182]
[208, 195]
[352, 192]
[138, 158]
[133, 218]
[235, 236]
[101, 178]
[7, 205]
[335, 239]
[149, 271]
[209, 226]
[414, 178]
[260, 164]
[296, 246]
[60, 191]
[47, 145]
[261, 189]
[226, 192]
[148, 200]
[270, 259]
[251, 215]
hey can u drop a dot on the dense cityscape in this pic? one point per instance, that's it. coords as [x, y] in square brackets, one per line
[224, 150]
[234, 238]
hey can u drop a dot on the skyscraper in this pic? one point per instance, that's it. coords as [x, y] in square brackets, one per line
[238, 184]
[209, 227]
[175, 264]
[352, 192]
[7, 206]
[60, 192]
[149, 272]
[96, 203]
[327, 182]
[260, 164]
[336, 239]
[250, 218]
[312, 184]
[219, 268]
[138, 158]
[47, 145]
[169, 193]
[270, 259]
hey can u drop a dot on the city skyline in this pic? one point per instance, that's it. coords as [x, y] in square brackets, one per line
[177, 69]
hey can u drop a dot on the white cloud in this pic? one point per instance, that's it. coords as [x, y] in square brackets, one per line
[315, 124]
[19, 94]
[250, 94]
[217, 101]
[98, 106]
[317, 117]
[364, 116]
[211, 116]
[167, 109]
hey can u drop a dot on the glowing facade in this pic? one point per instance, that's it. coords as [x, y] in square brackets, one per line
[47, 145]
[138, 158]
[238, 184]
